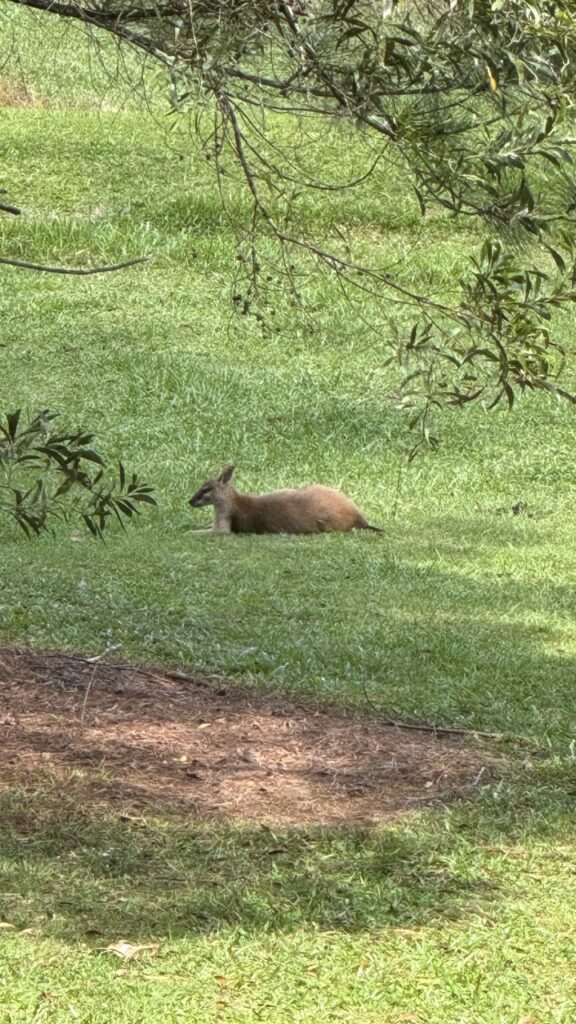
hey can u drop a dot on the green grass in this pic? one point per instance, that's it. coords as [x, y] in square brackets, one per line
[461, 613]
[461, 916]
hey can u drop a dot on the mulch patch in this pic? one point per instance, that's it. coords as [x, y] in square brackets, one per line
[137, 740]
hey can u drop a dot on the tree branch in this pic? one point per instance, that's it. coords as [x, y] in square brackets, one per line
[106, 17]
[100, 20]
[10, 209]
[76, 271]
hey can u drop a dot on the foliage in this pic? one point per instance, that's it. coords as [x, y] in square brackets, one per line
[501, 343]
[462, 613]
[472, 99]
[57, 463]
[46, 474]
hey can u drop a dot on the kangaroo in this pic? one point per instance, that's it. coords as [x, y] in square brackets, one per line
[314, 509]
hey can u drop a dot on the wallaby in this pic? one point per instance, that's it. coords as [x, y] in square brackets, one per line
[314, 509]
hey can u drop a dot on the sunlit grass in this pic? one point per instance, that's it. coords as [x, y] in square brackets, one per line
[461, 613]
[462, 915]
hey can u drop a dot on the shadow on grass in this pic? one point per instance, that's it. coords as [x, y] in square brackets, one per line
[81, 874]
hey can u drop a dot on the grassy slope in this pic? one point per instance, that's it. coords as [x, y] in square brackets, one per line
[459, 614]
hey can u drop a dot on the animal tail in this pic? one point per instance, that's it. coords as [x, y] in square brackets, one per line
[363, 524]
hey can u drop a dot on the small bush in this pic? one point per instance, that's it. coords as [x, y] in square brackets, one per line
[47, 475]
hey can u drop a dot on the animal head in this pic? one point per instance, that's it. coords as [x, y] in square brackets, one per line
[212, 490]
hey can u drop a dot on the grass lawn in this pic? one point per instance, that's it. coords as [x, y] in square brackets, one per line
[461, 613]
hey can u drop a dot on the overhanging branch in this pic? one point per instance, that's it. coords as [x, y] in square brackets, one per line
[74, 271]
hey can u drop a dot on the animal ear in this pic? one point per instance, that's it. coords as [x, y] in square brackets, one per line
[226, 474]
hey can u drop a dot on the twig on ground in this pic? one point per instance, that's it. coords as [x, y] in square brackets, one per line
[88, 688]
[443, 730]
[183, 677]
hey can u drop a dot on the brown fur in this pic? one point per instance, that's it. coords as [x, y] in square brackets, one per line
[314, 509]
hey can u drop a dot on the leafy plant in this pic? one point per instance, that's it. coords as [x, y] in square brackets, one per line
[499, 341]
[472, 99]
[46, 475]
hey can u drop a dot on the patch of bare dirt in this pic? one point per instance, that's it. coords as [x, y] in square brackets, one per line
[137, 740]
